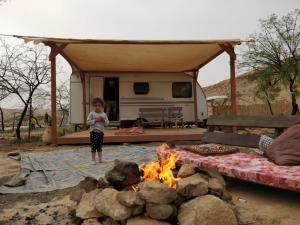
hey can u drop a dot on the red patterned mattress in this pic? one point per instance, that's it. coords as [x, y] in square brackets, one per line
[248, 167]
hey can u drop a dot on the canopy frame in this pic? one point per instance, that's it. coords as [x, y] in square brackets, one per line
[58, 45]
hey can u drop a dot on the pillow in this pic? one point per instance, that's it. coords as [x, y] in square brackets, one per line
[208, 149]
[285, 149]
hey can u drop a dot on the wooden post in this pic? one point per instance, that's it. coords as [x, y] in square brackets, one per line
[82, 75]
[233, 86]
[53, 101]
[195, 75]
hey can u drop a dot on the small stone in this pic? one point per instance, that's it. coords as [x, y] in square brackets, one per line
[206, 210]
[226, 196]
[76, 194]
[192, 186]
[145, 221]
[88, 184]
[160, 211]
[186, 170]
[91, 222]
[43, 219]
[123, 174]
[109, 221]
[102, 183]
[138, 210]
[106, 203]
[156, 192]
[86, 207]
[129, 198]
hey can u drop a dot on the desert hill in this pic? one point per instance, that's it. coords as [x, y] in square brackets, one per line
[245, 91]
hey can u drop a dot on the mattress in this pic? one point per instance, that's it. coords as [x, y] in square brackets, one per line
[244, 166]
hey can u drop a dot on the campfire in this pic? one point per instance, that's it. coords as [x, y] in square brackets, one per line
[161, 170]
[153, 194]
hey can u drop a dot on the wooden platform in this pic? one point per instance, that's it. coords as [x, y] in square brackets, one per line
[155, 134]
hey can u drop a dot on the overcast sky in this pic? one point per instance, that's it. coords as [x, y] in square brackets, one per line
[143, 19]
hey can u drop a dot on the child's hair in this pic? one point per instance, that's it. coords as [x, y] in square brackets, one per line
[97, 100]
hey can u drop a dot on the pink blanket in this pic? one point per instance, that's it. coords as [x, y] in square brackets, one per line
[248, 167]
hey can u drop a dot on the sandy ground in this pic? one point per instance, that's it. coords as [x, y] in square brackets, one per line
[255, 204]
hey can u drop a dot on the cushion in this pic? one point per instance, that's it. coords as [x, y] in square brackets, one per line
[208, 149]
[285, 149]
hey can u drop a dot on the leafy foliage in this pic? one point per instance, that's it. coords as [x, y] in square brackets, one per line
[273, 55]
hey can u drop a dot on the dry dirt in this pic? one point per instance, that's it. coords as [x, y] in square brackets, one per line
[256, 204]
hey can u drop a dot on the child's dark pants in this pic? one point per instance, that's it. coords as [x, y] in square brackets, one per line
[96, 139]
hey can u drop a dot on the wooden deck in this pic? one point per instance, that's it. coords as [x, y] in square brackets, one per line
[155, 134]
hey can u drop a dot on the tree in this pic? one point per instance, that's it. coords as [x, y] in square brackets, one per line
[23, 68]
[3, 95]
[63, 101]
[267, 86]
[276, 49]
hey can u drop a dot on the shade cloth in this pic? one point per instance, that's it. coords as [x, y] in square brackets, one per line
[141, 56]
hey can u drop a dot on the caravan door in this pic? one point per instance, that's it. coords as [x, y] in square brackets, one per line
[96, 88]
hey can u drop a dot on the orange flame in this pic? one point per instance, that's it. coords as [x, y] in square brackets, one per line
[161, 170]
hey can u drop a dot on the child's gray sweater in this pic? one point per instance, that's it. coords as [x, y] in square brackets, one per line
[91, 121]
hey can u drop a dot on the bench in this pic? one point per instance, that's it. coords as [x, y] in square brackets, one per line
[153, 116]
[279, 123]
[174, 115]
[161, 116]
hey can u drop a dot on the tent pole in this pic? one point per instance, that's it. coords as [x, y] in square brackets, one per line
[53, 101]
[82, 76]
[233, 86]
[195, 75]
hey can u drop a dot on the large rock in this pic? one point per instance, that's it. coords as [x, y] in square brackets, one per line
[156, 192]
[206, 210]
[76, 194]
[215, 186]
[106, 203]
[192, 186]
[88, 184]
[211, 173]
[123, 174]
[186, 170]
[86, 207]
[145, 221]
[160, 211]
[130, 199]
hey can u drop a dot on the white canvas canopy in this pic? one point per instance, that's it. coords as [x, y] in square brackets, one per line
[140, 56]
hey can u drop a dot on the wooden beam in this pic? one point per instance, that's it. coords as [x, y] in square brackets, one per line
[210, 59]
[55, 50]
[233, 86]
[229, 49]
[244, 140]
[53, 102]
[195, 76]
[82, 76]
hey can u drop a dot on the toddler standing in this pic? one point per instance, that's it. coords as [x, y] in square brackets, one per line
[96, 121]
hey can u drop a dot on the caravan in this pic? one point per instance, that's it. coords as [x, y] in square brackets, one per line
[136, 91]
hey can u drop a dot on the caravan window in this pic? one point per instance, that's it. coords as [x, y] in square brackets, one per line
[141, 88]
[182, 90]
